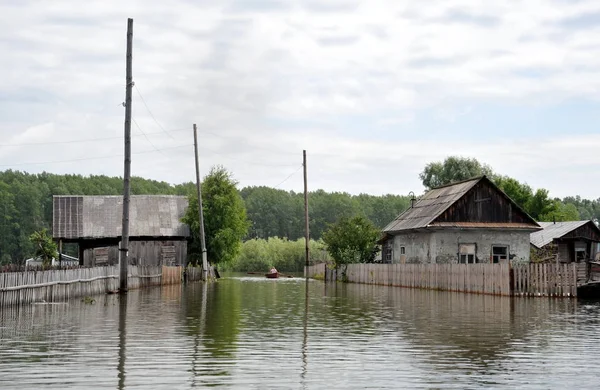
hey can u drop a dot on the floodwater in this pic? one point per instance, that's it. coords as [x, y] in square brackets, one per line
[250, 333]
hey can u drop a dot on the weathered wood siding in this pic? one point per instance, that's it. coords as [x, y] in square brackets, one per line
[587, 231]
[472, 278]
[497, 279]
[548, 280]
[484, 203]
[144, 253]
[316, 271]
[60, 285]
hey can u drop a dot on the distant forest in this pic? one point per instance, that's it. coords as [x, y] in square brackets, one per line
[26, 206]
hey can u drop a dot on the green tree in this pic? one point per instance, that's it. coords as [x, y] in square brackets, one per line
[352, 240]
[560, 212]
[522, 194]
[540, 204]
[225, 221]
[451, 170]
[45, 248]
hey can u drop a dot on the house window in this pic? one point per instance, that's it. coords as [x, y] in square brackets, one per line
[402, 250]
[387, 256]
[499, 254]
[466, 254]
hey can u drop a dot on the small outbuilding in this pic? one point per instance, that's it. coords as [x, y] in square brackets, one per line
[157, 235]
[472, 221]
[566, 242]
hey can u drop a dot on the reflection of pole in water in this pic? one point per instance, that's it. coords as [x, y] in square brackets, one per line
[200, 332]
[122, 340]
[305, 332]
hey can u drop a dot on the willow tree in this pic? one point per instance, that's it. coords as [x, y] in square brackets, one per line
[225, 221]
[351, 240]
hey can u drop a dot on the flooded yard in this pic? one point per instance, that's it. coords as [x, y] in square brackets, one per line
[250, 332]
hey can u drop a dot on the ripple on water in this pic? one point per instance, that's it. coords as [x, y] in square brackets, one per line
[252, 332]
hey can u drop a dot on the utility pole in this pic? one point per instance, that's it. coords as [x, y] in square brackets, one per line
[307, 238]
[200, 212]
[124, 249]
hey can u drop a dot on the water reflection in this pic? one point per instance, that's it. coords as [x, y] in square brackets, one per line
[251, 332]
[305, 331]
[122, 341]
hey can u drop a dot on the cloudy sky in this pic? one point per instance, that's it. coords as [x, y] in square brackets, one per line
[373, 90]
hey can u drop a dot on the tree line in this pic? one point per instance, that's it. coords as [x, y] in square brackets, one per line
[26, 203]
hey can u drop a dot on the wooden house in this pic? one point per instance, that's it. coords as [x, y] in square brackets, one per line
[472, 221]
[566, 242]
[157, 235]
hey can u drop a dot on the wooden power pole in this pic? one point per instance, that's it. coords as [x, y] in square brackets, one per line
[200, 211]
[124, 249]
[307, 238]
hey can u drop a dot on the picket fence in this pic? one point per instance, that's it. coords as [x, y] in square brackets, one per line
[557, 280]
[58, 285]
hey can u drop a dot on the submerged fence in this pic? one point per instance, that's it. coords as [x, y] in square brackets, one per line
[497, 279]
[57, 285]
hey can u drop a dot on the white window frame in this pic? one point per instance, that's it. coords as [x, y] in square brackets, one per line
[467, 253]
[501, 258]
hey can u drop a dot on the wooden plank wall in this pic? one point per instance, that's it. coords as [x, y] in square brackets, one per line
[317, 270]
[171, 275]
[59, 285]
[551, 280]
[548, 280]
[472, 278]
[193, 274]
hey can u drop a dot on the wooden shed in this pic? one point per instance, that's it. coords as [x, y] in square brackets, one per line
[566, 242]
[157, 235]
[472, 221]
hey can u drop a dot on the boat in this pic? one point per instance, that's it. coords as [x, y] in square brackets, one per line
[272, 275]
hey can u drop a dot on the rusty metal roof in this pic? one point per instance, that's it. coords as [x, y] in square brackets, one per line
[487, 225]
[95, 217]
[430, 206]
[552, 230]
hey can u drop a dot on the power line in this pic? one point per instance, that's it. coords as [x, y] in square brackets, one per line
[147, 139]
[92, 158]
[292, 174]
[150, 112]
[87, 140]
[246, 161]
[253, 147]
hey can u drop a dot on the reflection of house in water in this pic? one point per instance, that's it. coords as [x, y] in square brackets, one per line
[157, 235]
[448, 327]
[467, 222]
[566, 242]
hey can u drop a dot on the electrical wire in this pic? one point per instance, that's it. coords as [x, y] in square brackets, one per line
[246, 161]
[292, 174]
[150, 112]
[147, 139]
[253, 147]
[92, 158]
[87, 140]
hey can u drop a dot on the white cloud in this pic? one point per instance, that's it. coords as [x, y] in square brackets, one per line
[275, 77]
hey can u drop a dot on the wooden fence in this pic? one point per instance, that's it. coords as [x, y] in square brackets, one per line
[57, 285]
[193, 274]
[550, 280]
[473, 278]
[316, 271]
[496, 279]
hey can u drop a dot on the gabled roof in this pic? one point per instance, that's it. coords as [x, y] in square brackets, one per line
[553, 230]
[436, 201]
[430, 206]
[95, 217]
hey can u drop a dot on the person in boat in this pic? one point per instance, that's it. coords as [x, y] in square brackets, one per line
[273, 270]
